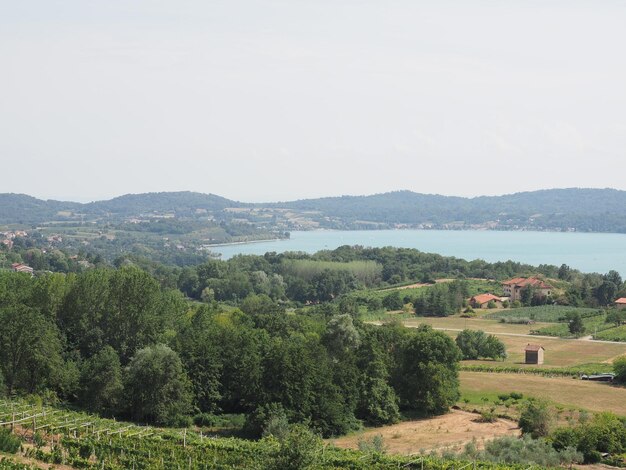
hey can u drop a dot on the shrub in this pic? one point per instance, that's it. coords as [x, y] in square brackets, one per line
[536, 418]
[9, 442]
[298, 450]
[266, 420]
[375, 444]
[205, 420]
[604, 433]
[619, 367]
[512, 450]
[488, 416]
[39, 440]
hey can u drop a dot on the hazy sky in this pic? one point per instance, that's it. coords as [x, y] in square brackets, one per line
[274, 100]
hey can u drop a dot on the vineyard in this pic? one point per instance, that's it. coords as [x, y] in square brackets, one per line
[545, 313]
[612, 334]
[574, 372]
[60, 437]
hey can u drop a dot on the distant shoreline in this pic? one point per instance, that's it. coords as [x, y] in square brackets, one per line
[246, 242]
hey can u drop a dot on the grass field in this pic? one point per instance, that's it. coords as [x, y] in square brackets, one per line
[580, 394]
[561, 352]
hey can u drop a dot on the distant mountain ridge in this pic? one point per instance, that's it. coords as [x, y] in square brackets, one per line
[597, 210]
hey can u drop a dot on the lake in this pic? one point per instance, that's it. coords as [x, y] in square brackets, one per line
[588, 252]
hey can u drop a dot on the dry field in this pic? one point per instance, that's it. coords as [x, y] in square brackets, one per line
[559, 352]
[563, 352]
[454, 429]
[591, 396]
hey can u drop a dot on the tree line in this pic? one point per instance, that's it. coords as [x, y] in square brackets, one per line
[116, 342]
[309, 278]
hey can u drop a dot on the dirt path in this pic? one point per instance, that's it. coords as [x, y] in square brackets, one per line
[456, 428]
[417, 285]
[499, 333]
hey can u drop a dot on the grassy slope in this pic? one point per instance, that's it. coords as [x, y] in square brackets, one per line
[592, 396]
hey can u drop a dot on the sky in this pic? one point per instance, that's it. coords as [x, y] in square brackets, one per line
[285, 99]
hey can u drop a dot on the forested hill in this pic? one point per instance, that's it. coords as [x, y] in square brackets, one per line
[179, 202]
[599, 210]
[20, 208]
[602, 210]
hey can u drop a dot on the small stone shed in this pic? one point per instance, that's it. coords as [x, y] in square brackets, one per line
[534, 354]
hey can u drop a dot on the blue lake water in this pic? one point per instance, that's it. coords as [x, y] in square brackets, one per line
[588, 252]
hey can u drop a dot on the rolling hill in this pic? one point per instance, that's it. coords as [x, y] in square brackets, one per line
[591, 210]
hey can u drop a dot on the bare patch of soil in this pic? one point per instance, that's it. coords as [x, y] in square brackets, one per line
[454, 429]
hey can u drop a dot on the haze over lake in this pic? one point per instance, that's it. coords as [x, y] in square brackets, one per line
[588, 252]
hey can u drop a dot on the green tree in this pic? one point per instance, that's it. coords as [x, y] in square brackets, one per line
[157, 387]
[564, 272]
[299, 373]
[133, 318]
[614, 277]
[493, 348]
[84, 307]
[527, 294]
[261, 304]
[616, 316]
[427, 378]
[101, 382]
[470, 342]
[475, 344]
[606, 292]
[300, 449]
[378, 402]
[267, 420]
[576, 325]
[198, 344]
[30, 350]
[392, 301]
[341, 335]
[536, 418]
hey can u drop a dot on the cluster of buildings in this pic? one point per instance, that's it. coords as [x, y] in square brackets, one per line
[8, 237]
[533, 353]
[512, 291]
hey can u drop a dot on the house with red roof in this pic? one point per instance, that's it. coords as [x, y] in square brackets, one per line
[482, 301]
[620, 303]
[22, 268]
[513, 287]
